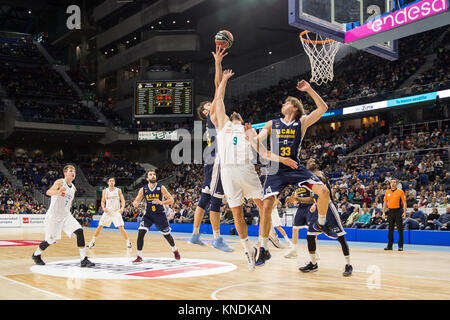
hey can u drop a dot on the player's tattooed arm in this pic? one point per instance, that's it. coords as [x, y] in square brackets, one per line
[252, 137]
[167, 196]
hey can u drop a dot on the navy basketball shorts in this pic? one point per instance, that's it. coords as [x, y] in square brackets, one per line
[302, 216]
[275, 183]
[157, 219]
[212, 183]
[333, 221]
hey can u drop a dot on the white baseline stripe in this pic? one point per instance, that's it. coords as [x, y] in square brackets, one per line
[31, 287]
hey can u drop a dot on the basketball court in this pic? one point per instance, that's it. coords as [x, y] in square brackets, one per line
[417, 273]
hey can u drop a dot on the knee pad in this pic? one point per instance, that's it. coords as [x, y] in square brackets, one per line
[311, 243]
[80, 237]
[216, 203]
[43, 245]
[344, 245]
[204, 200]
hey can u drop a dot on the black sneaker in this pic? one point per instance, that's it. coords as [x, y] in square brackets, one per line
[263, 256]
[38, 260]
[85, 263]
[325, 229]
[310, 267]
[348, 270]
[388, 248]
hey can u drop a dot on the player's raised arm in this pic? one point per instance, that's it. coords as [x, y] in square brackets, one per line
[265, 131]
[56, 188]
[252, 137]
[218, 106]
[139, 198]
[218, 57]
[315, 115]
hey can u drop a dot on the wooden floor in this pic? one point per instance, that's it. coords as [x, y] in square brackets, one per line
[412, 274]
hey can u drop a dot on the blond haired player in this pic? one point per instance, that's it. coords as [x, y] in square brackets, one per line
[113, 204]
[59, 218]
[237, 170]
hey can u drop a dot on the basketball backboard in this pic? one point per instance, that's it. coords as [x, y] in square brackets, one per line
[370, 25]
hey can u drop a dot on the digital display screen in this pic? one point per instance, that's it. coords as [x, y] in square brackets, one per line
[163, 98]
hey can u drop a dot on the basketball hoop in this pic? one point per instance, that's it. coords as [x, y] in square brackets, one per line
[321, 53]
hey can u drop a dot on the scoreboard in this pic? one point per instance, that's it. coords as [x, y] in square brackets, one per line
[163, 98]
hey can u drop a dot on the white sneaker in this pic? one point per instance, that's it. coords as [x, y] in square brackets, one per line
[251, 257]
[291, 254]
[275, 240]
[91, 244]
[129, 246]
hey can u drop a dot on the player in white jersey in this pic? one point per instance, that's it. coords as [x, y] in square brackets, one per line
[237, 170]
[59, 218]
[113, 204]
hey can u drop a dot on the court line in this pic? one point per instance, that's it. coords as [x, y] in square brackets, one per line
[214, 294]
[31, 287]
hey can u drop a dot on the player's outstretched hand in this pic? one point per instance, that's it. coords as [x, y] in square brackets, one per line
[227, 74]
[157, 201]
[62, 191]
[289, 162]
[290, 199]
[135, 204]
[249, 132]
[219, 54]
[303, 86]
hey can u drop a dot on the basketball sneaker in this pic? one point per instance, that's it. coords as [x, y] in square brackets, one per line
[85, 263]
[195, 239]
[251, 257]
[348, 270]
[220, 244]
[263, 256]
[129, 246]
[137, 260]
[91, 244]
[38, 260]
[177, 255]
[310, 267]
[325, 229]
[291, 254]
[275, 240]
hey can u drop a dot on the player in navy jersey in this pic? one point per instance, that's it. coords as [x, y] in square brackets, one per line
[305, 200]
[286, 135]
[156, 197]
[212, 190]
[334, 224]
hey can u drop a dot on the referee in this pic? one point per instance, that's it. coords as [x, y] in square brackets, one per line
[393, 199]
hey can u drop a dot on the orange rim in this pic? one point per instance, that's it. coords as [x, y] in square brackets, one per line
[313, 41]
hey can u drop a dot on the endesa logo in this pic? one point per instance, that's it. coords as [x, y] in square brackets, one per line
[409, 14]
[123, 269]
[417, 11]
[25, 220]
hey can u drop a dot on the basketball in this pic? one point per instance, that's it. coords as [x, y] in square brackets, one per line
[224, 39]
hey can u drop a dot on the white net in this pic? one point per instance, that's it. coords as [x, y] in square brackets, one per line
[321, 52]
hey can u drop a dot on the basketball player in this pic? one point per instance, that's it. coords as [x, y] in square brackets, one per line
[212, 190]
[58, 217]
[239, 177]
[334, 223]
[156, 197]
[113, 204]
[302, 216]
[276, 223]
[286, 135]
